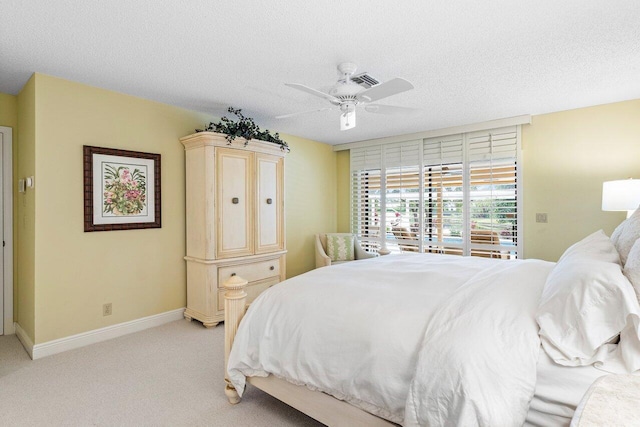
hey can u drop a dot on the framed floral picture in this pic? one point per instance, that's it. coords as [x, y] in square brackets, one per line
[121, 189]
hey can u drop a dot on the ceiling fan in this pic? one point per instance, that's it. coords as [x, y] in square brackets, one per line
[347, 94]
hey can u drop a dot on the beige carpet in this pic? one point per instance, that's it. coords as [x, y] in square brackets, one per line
[171, 375]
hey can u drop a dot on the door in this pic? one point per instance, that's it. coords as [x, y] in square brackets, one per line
[269, 203]
[6, 233]
[3, 140]
[234, 169]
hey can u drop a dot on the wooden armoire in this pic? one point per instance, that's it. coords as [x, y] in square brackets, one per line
[235, 219]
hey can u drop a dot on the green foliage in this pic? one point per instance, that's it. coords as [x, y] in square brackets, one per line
[243, 127]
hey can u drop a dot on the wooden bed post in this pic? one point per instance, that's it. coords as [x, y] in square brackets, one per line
[234, 307]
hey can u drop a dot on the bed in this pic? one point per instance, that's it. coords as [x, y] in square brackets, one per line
[425, 339]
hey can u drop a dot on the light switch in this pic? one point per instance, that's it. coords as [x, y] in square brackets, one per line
[541, 217]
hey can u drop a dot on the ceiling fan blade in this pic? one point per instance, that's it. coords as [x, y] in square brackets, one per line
[284, 116]
[388, 109]
[313, 91]
[384, 90]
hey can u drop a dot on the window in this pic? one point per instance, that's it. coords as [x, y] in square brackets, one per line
[452, 195]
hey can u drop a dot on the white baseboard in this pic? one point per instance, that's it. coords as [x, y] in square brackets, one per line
[9, 326]
[24, 339]
[38, 351]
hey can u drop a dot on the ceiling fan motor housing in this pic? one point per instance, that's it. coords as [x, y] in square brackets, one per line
[346, 92]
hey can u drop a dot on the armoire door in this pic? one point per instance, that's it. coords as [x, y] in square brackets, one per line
[269, 203]
[235, 200]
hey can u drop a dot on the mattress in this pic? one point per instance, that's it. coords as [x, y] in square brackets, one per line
[559, 390]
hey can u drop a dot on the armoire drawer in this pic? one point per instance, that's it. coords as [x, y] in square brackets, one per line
[252, 290]
[250, 272]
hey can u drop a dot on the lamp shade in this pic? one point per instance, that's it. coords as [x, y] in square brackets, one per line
[622, 195]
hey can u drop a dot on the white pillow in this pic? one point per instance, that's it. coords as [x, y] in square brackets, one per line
[585, 303]
[626, 234]
[632, 267]
[595, 246]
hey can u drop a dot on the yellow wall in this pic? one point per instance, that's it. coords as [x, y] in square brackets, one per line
[8, 110]
[141, 272]
[24, 273]
[566, 158]
[310, 205]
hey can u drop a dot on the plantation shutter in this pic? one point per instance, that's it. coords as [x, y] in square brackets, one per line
[402, 195]
[492, 193]
[455, 194]
[443, 188]
[366, 165]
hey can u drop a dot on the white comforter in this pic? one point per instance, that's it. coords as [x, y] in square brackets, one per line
[453, 340]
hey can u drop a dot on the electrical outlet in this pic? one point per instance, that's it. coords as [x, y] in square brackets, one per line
[106, 309]
[541, 217]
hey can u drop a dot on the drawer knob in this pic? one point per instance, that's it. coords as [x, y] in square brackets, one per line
[235, 200]
[272, 268]
[269, 201]
[233, 274]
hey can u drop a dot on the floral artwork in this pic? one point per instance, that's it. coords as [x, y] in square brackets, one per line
[125, 191]
[121, 189]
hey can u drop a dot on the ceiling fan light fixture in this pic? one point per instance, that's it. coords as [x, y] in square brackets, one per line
[347, 120]
[347, 116]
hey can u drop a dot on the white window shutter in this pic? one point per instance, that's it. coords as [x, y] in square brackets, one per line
[493, 144]
[366, 158]
[443, 150]
[492, 194]
[402, 195]
[366, 164]
[457, 194]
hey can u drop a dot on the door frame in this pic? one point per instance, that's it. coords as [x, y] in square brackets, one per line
[7, 225]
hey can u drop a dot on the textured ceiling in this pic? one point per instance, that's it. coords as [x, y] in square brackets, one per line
[469, 61]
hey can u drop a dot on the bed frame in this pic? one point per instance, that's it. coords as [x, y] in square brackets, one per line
[319, 406]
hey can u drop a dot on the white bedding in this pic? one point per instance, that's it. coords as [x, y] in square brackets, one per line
[474, 318]
[477, 365]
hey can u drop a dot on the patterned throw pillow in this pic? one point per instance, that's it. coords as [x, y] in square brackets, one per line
[626, 234]
[632, 267]
[340, 246]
